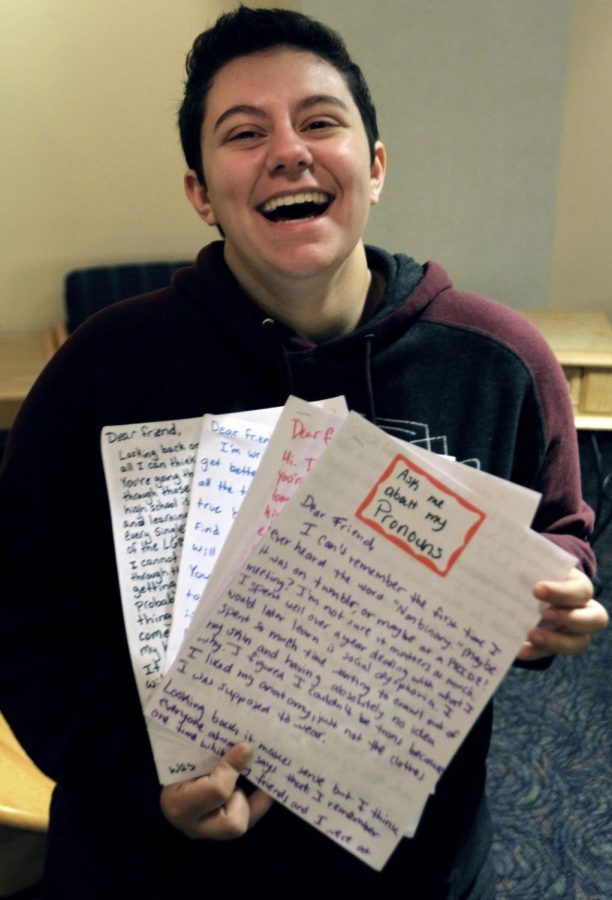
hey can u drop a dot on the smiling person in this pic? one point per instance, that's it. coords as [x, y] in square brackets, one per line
[283, 155]
[290, 177]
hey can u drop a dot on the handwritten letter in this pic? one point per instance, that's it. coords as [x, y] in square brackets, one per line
[301, 434]
[148, 469]
[227, 459]
[354, 668]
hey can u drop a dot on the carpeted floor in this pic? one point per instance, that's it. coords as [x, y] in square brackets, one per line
[550, 767]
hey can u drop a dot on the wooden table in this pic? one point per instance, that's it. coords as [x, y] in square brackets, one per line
[25, 794]
[22, 357]
[582, 342]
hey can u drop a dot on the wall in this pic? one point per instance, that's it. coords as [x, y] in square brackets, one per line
[471, 97]
[582, 254]
[91, 168]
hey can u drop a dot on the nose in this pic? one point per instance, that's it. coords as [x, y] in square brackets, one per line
[288, 153]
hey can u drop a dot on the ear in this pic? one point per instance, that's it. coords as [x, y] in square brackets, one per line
[197, 195]
[377, 172]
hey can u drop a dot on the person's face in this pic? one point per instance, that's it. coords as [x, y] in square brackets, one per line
[287, 167]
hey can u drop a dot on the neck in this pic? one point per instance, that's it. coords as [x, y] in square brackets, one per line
[320, 307]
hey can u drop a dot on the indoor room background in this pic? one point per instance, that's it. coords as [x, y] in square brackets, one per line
[495, 115]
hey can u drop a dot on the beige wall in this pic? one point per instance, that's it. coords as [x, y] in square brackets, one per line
[472, 96]
[582, 253]
[91, 169]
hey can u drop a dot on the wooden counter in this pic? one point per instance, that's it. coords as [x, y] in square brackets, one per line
[582, 342]
[22, 357]
[25, 794]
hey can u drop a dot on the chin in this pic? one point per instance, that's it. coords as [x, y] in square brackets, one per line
[308, 261]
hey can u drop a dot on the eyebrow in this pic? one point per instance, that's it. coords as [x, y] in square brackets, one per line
[258, 112]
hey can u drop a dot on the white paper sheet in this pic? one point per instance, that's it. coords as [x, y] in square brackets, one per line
[303, 430]
[227, 458]
[148, 469]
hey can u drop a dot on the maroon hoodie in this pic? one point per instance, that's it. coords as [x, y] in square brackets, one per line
[455, 373]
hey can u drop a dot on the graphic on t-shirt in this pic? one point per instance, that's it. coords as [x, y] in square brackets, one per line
[419, 433]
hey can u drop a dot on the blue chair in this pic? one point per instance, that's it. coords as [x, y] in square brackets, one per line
[88, 290]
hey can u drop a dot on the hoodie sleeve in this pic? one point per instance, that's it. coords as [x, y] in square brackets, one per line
[545, 453]
[66, 685]
[563, 516]
[528, 385]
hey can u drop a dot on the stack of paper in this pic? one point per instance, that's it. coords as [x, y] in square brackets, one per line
[366, 599]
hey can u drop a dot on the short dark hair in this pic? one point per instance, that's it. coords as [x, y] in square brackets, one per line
[246, 31]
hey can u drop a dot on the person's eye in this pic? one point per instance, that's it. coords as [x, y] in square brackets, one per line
[244, 134]
[320, 124]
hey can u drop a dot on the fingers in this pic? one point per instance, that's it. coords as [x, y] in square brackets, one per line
[259, 804]
[588, 619]
[569, 619]
[227, 822]
[199, 796]
[235, 817]
[542, 643]
[529, 653]
[211, 806]
[564, 631]
[576, 590]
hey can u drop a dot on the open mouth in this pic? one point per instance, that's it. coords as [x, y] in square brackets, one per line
[292, 208]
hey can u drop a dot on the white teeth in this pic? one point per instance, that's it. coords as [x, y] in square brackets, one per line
[304, 197]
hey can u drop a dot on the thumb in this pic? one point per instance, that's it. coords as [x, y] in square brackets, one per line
[237, 757]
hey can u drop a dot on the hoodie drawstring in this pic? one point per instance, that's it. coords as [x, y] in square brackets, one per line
[286, 365]
[370, 410]
[369, 391]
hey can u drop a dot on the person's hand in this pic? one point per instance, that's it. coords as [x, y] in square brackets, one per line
[211, 806]
[569, 620]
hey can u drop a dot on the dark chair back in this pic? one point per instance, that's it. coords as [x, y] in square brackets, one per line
[91, 289]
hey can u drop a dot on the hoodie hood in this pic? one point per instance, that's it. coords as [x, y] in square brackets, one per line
[307, 369]
[409, 289]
